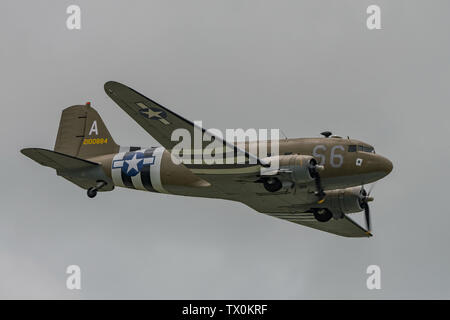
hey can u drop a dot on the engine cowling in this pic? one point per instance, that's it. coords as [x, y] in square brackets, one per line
[291, 169]
[344, 200]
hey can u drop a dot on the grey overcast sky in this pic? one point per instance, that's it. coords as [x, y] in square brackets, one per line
[301, 66]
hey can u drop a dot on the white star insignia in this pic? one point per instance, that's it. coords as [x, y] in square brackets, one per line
[156, 115]
[133, 163]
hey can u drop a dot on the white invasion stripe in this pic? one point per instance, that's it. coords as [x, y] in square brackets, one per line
[137, 182]
[155, 170]
[116, 172]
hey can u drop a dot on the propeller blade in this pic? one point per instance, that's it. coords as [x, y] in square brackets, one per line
[367, 215]
[364, 203]
[314, 171]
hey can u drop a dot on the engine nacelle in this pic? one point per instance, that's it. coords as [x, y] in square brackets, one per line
[344, 200]
[291, 169]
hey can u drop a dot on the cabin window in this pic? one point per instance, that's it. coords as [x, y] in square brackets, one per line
[352, 148]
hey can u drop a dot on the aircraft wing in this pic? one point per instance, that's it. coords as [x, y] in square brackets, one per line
[159, 121]
[285, 207]
[345, 227]
[282, 205]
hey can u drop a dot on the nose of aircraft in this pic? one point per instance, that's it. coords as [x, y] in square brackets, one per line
[384, 165]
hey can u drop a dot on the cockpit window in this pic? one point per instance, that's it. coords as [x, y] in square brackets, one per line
[366, 149]
[352, 148]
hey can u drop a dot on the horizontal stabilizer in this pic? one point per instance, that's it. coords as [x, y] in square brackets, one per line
[56, 160]
[82, 172]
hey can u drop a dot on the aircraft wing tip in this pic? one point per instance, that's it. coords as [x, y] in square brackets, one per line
[109, 86]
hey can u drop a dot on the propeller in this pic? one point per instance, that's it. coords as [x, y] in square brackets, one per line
[314, 169]
[364, 199]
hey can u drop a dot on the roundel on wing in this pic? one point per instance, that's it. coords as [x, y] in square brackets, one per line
[153, 113]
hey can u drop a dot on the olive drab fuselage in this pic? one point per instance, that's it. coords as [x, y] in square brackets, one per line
[346, 162]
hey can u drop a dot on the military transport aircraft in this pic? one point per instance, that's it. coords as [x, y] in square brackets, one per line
[318, 183]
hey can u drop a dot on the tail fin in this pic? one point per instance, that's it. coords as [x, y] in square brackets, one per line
[83, 134]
